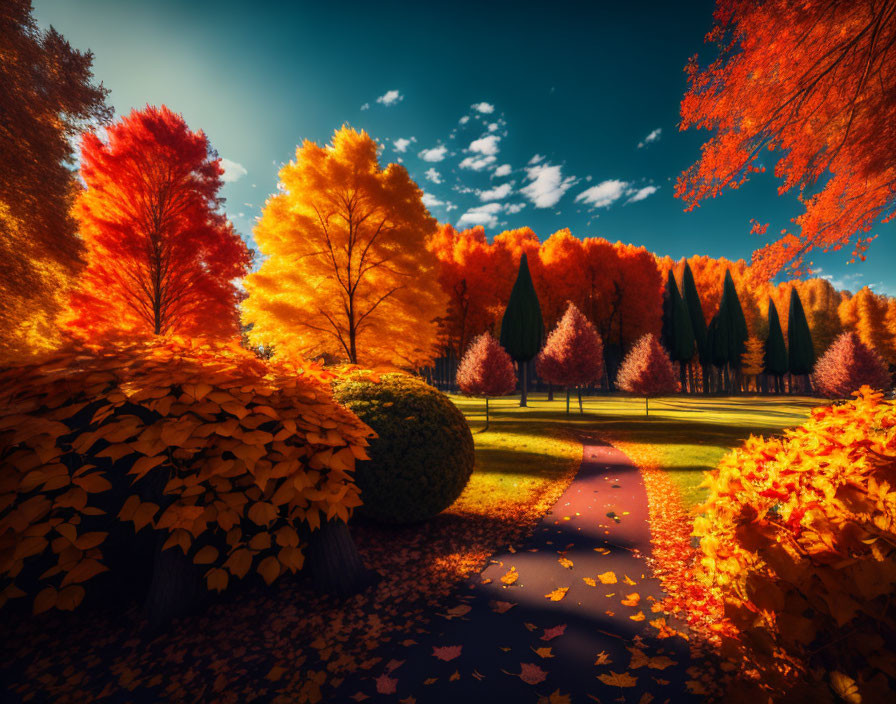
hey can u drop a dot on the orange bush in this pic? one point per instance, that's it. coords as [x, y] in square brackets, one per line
[233, 459]
[799, 540]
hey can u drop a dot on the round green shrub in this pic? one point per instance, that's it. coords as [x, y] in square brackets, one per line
[422, 456]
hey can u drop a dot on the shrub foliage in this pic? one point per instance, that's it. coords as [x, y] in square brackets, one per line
[799, 540]
[230, 459]
[422, 456]
[847, 365]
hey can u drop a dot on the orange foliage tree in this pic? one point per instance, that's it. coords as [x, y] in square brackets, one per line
[48, 95]
[161, 257]
[814, 81]
[871, 317]
[234, 463]
[798, 541]
[348, 273]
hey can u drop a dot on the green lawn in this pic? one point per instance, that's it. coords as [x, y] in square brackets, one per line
[685, 435]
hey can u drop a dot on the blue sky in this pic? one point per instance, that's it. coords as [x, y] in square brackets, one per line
[507, 114]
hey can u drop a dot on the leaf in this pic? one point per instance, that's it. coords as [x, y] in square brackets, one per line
[501, 607]
[555, 697]
[206, 555]
[638, 616]
[447, 653]
[511, 576]
[590, 581]
[603, 658]
[566, 562]
[386, 684]
[845, 687]
[45, 600]
[551, 633]
[269, 569]
[631, 599]
[616, 679]
[557, 594]
[543, 652]
[607, 578]
[531, 674]
[83, 571]
[629, 581]
[70, 597]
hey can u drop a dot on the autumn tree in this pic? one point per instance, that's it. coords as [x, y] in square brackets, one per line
[698, 321]
[522, 327]
[161, 256]
[814, 82]
[870, 315]
[800, 353]
[486, 370]
[47, 97]
[775, 349]
[647, 371]
[678, 335]
[573, 355]
[347, 270]
[752, 362]
[848, 365]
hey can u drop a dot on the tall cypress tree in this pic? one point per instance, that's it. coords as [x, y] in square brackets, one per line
[737, 323]
[698, 322]
[677, 332]
[522, 327]
[775, 350]
[801, 357]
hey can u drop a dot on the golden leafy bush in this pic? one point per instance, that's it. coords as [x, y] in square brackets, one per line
[235, 460]
[799, 541]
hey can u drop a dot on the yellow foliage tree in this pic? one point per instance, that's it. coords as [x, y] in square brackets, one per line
[753, 360]
[347, 272]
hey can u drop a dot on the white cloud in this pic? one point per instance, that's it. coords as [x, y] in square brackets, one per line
[430, 201]
[477, 163]
[497, 193]
[493, 127]
[604, 194]
[390, 97]
[514, 207]
[485, 145]
[642, 193]
[433, 175]
[536, 159]
[464, 120]
[652, 137]
[484, 108]
[232, 171]
[486, 215]
[502, 170]
[402, 144]
[547, 185]
[434, 154]
[365, 106]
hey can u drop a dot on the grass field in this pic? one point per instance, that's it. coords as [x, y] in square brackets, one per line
[685, 435]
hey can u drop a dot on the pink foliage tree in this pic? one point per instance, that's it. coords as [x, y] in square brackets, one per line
[847, 365]
[486, 370]
[647, 371]
[573, 354]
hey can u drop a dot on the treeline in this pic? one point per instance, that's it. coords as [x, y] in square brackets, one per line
[744, 332]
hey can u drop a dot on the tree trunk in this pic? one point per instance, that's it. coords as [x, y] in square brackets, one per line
[523, 395]
[567, 400]
[486, 414]
[646, 406]
[175, 587]
[683, 376]
[705, 369]
[581, 410]
[334, 562]
[550, 392]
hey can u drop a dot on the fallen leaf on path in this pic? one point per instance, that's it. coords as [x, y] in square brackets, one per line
[544, 652]
[646, 698]
[660, 662]
[845, 686]
[557, 594]
[501, 607]
[631, 599]
[602, 551]
[607, 578]
[609, 613]
[408, 700]
[589, 581]
[551, 633]
[275, 674]
[618, 679]
[638, 616]
[386, 684]
[530, 673]
[694, 687]
[603, 658]
[477, 675]
[447, 653]
[455, 677]
[511, 576]
[565, 562]
[394, 665]
[555, 698]
[629, 581]
[461, 610]
[430, 680]
[531, 626]
[359, 696]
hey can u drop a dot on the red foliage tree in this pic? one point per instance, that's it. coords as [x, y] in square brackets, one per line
[161, 256]
[848, 365]
[813, 81]
[486, 370]
[647, 371]
[573, 354]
